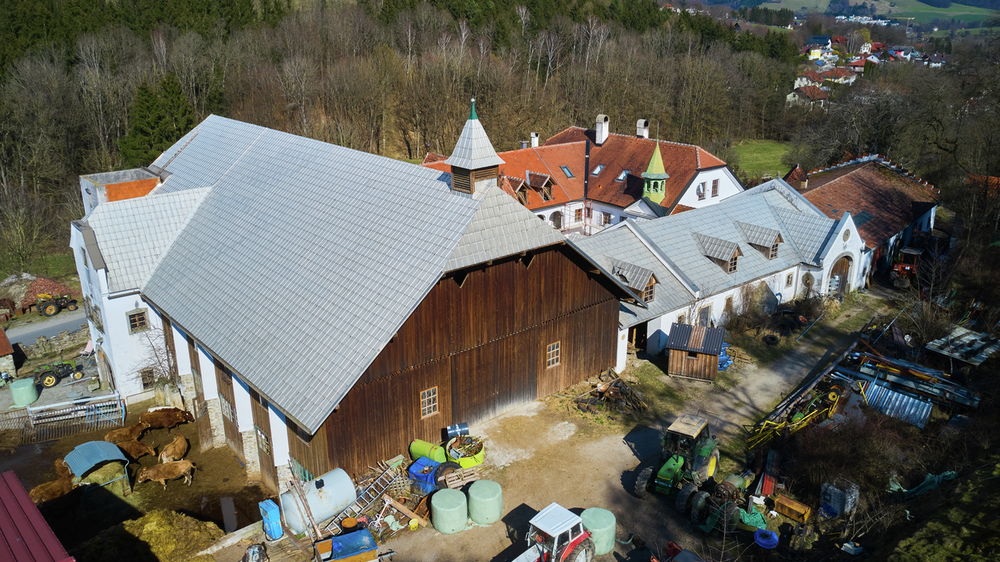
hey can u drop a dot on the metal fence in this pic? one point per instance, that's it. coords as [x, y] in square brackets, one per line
[55, 421]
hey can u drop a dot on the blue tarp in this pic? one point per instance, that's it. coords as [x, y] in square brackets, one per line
[85, 457]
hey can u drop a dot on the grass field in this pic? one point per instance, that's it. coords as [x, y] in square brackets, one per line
[922, 13]
[760, 157]
[962, 32]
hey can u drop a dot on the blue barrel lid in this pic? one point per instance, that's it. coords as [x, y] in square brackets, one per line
[766, 539]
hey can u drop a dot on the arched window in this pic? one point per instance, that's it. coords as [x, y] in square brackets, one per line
[557, 220]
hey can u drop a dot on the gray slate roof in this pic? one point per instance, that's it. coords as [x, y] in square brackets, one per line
[630, 274]
[759, 235]
[679, 240]
[699, 339]
[352, 240]
[473, 149]
[716, 247]
[133, 234]
[501, 227]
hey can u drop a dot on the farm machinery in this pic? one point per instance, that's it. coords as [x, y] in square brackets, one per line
[50, 375]
[49, 305]
[904, 273]
[556, 534]
[688, 466]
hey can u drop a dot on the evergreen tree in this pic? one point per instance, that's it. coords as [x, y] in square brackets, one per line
[176, 113]
[137, 147]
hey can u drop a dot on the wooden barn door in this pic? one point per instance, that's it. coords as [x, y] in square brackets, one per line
[838, 276]
[227, 402]
[262, 429]
[201, 419]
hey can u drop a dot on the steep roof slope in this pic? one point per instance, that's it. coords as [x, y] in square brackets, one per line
[354, 240]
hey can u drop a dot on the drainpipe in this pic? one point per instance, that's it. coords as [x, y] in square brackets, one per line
[586, 186]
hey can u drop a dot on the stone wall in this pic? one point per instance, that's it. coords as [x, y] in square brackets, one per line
[7, 365]
[284, 477]
[65, 341]
[250, 454]
[215, 418]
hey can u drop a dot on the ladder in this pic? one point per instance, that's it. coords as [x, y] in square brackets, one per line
[367, 497]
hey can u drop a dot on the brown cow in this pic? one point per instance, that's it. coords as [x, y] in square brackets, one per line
[175, 451]
[56, 488]
[166, 418]
[166, 471]
[135, 449]
[131, 433]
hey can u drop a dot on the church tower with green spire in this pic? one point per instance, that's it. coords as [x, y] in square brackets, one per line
[654, 177]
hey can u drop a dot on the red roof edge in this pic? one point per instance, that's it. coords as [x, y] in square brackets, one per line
[5, 347]
[25, 532]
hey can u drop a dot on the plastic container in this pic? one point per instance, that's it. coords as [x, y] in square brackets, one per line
[419, 448]
[422, 474]
[23, 392]
[457, 429]
[601, 524]
[272, 520]
[765, 539]
[327, 495]
[449, 511]
[485, 502]
[467, 462]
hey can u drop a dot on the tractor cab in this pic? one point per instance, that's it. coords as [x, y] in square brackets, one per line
[556, 535]
[688, 453]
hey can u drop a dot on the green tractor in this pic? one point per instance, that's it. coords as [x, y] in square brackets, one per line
[689, 456]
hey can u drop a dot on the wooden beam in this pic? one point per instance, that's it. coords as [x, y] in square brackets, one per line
[405, 511]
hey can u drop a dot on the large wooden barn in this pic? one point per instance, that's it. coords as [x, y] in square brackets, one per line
[390, 300]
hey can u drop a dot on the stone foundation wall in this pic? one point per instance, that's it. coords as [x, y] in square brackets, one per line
[7, 365]
[65, 341]
[215, 417]
[284, 477]
[250, 455]
[188, 391]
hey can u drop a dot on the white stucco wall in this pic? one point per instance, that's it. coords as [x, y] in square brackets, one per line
[852, 247]
[207, 369]
[244, 414]
[568, 210]
[728, 186]
[279, 437]
[622, 350]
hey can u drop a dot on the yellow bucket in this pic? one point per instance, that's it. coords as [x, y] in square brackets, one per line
[467, 462]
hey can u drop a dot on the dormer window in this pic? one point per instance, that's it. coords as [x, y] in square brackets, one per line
[623, 175]
[733, 261]
[650, 291]
[764, 239]
[565, 170]
[597, 170]
[774, 251]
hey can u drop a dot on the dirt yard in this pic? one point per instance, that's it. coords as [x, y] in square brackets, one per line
[218, 474]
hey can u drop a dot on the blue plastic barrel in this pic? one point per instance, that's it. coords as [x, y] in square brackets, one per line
[272, 520]
[765, 539]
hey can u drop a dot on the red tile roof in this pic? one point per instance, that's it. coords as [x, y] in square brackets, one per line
[796, 176]
[618, 153]
[838, 72]
[623, 152]
[431, 158]
[858, 63]
[838, 40]
[680, 209]
[25, 534]
[882, 201]
[813, 75]
[5, 348]
[990, 182]
[812, 92]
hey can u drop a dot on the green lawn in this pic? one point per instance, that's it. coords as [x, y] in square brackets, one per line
[921, 12]
[796, 5]
[962, 32]
[759, 157]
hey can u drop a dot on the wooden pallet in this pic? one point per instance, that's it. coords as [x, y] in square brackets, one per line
[461, 477]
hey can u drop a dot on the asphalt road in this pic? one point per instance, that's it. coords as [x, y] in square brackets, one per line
[65, 320]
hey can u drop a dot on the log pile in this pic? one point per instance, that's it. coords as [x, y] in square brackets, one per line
[616, 395]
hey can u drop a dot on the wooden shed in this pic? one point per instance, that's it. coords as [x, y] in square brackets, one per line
[694, 351]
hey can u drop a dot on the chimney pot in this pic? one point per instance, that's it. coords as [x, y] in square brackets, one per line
[534, 140]
[642, 128]
[602, 129]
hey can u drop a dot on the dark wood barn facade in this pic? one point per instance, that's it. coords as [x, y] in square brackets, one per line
[484, 340]
[693, 351]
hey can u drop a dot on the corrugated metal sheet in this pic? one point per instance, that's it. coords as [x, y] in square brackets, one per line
[25, 535]
[88, 455]
[912, 410]
[681, 338]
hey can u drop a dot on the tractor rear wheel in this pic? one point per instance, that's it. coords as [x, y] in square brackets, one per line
[442, 470]
[49, 308]
[684, 497]
[49, 379]
[710, 467]
[699, 506]
[642, 482]
[584, 552]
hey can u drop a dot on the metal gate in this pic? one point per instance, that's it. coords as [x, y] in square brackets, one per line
[55, 421]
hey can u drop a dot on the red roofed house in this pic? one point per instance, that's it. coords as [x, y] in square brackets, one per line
[24, 534]
[807, 95]
[586, 179]
[808, 78]
[6, 355]
[839, 75]
[888, 205]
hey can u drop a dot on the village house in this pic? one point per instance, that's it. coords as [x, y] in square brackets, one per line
[808, 78]
[889, 205]
[839, 75]
[693, 268]
[584, 180]
[306, 341]
[807, 96]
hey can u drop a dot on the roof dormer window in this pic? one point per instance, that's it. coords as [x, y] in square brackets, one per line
[597, 170]
[774, 251]
[650, 291]
[733, 262]
[623, 175]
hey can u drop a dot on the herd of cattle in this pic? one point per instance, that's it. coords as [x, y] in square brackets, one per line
[172, 464]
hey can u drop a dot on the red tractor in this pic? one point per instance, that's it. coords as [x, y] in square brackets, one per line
[556, 535]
